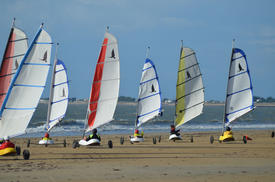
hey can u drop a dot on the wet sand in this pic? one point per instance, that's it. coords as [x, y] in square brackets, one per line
[164, 161]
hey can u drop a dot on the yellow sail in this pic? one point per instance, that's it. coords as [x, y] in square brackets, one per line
[180, 91]
[190, 90]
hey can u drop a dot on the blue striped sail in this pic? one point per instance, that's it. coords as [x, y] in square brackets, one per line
[239, 97]
[149, 97]
[59, 95]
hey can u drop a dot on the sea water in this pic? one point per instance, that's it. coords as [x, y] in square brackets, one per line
[125, 115]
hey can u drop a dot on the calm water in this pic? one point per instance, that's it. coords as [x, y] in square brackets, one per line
[210, 120]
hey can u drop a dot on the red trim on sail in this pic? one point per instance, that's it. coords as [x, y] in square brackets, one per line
[96, 84]
[6, 67]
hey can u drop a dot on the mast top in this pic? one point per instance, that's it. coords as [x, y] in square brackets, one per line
[13, 22]
[147, 52]
[181, 43]
[107, 29]
[233, 43]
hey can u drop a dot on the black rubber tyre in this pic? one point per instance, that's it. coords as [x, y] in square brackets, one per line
[154, 140]
[26, 154]
[18, 150]
[272, 134]
[211, 139]
[28, 143]
[121, 140]
[191, 139]
[64, 143]
[159, 139]
[46, 145]
[110, 144]
[75, 144]
[244, 140]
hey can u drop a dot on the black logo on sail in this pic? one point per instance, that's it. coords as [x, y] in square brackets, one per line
[188, 74]
[240, 67]
[113, 54]
[16, 65]
[153, 88]
[45, 57]
[63, 93]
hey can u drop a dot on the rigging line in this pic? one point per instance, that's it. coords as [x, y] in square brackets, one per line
[24, 85]
[189, 93]
[239, 91]
[188, 67]
[60, 117]
[192, 106]
[188, 55]
[189, 80]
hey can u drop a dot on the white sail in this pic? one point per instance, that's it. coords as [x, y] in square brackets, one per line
[239, 97]
[105, 87]
[26, 87]
[59, 94]
[149, 97]
[190, 90]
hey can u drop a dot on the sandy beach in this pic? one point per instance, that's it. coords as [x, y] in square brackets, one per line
[164, 161]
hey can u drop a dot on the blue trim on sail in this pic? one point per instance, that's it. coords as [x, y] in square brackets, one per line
[237, 58]
[251, 107]
[159, 93]
[18, 71]
[237, 74]
[37, 64]
[237, 50]
[59, 70]
[43, 43]
[60, 84]
[59, 101]
[147, 68]
[149, 112]
[57, 118]
[31, 108]
[24, 85]
[156, 78]
[140, 99]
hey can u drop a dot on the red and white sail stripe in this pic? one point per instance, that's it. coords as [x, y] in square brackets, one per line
[105, 87]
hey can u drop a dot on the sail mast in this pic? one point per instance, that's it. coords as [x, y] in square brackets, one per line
[225, 104]
[51, 88]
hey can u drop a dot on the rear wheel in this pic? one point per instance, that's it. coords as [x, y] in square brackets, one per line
[110, 144]
[191, 139]
[211, 139]
[121, 140]
[154, 140]
[26, 154]
[64, 143]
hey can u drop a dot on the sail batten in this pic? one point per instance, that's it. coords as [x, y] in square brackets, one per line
[105, 87]
[239, 96]
[21, 100]
[189, 88]
[149, 97]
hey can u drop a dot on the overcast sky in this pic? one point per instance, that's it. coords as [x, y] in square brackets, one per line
[206, 26]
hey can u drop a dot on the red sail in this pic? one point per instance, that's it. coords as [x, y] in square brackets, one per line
[96, 84]
[6, 67]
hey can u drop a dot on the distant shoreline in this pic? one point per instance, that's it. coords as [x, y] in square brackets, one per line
[263, 104]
